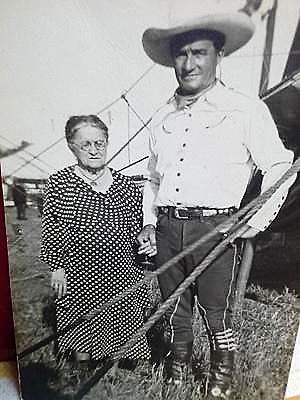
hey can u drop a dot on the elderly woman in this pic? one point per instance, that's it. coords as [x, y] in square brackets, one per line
[91, 217]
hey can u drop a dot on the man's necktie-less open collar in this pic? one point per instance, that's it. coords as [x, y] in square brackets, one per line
[184, 101]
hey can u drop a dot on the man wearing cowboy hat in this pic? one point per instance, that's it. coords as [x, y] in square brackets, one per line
[204, 144]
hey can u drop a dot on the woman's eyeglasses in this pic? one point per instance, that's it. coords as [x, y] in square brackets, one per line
[86, 146]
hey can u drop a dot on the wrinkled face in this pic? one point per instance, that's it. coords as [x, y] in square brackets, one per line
[89, 145]
[195, 63]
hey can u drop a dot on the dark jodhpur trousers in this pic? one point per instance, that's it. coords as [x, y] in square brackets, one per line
[213, 288]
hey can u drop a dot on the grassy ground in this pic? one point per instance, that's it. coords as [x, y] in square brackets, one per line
[267, 325]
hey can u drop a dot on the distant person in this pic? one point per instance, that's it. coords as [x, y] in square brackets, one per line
[39, 202]
[19, 197]
[91, 216]
[204, 144]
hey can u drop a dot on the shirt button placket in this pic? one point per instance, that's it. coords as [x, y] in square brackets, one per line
[178, 174]
[181, 159]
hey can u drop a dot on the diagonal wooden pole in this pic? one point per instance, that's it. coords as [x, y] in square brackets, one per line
[244, 272]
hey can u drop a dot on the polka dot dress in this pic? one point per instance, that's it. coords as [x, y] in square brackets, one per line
[92, 236]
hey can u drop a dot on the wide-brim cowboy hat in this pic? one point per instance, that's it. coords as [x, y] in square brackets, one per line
[192, 15]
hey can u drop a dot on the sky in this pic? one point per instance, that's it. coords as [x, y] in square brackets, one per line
[62, 58]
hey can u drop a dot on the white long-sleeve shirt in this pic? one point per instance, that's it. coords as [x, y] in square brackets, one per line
[204, 155]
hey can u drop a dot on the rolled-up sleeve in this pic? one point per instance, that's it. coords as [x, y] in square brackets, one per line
[272, 158]
[151, 186]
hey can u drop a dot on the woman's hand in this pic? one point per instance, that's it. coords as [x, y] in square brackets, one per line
[147, 241]
[59, 282]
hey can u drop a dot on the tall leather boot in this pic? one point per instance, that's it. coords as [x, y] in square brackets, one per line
[176, 362]
[223, 346]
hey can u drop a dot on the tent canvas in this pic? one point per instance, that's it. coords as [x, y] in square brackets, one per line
[99, 58]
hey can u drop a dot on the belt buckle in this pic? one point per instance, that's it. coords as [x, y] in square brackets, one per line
[209, 213]
[177, 213]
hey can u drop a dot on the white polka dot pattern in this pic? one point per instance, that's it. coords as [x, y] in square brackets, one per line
[92, 236]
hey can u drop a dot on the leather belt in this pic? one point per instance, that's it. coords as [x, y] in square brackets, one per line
[194, 212]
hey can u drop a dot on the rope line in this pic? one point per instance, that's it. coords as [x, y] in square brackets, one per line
[86, 387]
[26, 278]
[128, 141]
[180, 289]
[99, 112]
[133, 288]
[132, 109]
[236, 232]
[230, 224]
[99, 373]
[109, 105]
[28, 152]
[18, 155]
[33, 165]
[220, 248]
[133, 163]
[35, 157]
[140, 78]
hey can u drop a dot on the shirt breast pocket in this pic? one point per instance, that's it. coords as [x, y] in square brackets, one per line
[226, 137]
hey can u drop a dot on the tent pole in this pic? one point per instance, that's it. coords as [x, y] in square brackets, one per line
[267, 55]
[244, 272]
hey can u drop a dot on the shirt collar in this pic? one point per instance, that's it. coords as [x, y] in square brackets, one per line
[212, 96]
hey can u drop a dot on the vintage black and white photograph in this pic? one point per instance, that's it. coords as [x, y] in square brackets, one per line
[149, 160]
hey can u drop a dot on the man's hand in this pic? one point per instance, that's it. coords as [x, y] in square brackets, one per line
[147, 241]
[250, 233]
[59, 282]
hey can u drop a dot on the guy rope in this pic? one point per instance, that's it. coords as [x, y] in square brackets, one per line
[236, 231]
[234, 226]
